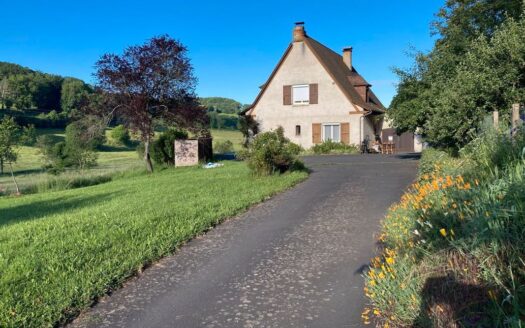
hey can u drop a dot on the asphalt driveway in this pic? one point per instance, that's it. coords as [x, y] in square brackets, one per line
[293, 261]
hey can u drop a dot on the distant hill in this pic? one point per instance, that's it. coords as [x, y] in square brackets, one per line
[25, 89]
[222, 105]
[8, 69]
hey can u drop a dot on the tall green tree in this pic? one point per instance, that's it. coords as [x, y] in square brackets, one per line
[73, 93]
[9, 136]
[448, 91]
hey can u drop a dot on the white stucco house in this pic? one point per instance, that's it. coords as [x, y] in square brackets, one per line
[316, 94]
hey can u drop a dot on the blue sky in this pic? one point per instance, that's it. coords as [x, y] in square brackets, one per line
[234, 45]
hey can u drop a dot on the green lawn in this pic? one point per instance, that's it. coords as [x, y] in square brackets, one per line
[234, 136]
[111, 160]
[61, 250]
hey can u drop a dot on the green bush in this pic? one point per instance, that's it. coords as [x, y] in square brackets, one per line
[162, 149]
[54, 154]
[271, 152]
[223, 147]
[120, 135]
[331, 147]
[28, 137]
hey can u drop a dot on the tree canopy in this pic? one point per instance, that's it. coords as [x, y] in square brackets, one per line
[23, 88]
[476, 66]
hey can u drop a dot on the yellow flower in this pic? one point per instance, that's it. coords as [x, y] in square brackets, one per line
[443, 232]
[390, 260]
[376, 312]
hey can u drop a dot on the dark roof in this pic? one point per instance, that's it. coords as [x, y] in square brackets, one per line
[345, 78]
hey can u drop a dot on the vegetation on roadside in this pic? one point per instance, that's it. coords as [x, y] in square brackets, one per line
[331, 147]
[454, 247]
[271, 152]
[60, 251]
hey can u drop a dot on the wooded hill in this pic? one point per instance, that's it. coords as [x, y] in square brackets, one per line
[23, 89]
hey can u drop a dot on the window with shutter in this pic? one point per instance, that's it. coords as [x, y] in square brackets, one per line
[332, 132]
[301, 94]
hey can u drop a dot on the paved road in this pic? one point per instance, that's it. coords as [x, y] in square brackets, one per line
[293, 261]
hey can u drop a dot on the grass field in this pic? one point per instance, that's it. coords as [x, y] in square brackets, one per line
[61, 250]
[111, 161]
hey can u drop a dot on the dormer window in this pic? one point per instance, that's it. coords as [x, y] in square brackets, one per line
[301, 94]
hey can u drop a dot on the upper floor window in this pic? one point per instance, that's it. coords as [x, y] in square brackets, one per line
[301, 94]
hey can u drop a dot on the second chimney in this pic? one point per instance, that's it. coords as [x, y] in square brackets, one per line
[347, 57]
[298, 32]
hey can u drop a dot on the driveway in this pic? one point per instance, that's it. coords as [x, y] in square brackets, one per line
[293, 261]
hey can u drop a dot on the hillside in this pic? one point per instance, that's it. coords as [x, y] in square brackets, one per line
[22, 88]
[222, 105]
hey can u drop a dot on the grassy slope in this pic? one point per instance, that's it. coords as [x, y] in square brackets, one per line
[61, 250]
[28, 168]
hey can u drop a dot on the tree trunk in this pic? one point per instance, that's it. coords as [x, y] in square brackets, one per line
[14, 180]
[147, 158]
[1, 166]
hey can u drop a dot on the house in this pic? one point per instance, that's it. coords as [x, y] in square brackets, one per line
[316, 94]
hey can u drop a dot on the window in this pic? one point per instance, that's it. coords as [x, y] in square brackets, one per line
[301, 94]
[297, 130]
[332, 131]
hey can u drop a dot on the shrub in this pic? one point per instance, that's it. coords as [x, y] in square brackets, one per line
[271, 152]
[28, 137]
[162, 150]
[222, 147]
[120, 135]
[85, 134]
[54, 153]
[331, 147]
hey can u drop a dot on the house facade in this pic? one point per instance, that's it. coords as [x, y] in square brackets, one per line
[316, 95]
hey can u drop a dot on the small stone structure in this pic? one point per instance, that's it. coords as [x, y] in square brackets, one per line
[190, 151]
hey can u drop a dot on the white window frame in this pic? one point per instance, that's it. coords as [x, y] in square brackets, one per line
[301, 102]
[324, 137]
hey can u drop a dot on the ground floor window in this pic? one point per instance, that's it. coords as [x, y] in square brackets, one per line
[332, 131]
[297, 130]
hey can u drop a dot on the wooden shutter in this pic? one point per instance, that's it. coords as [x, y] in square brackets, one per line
[287, 94]
[314, 93]
[345, 133]
[316, 133]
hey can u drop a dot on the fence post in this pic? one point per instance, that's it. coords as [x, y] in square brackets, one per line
[495, 119]
[515, 117]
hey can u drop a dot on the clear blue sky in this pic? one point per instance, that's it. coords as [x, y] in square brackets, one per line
[233, 45]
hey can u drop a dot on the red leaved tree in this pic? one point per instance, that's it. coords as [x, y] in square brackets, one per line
[148, 84]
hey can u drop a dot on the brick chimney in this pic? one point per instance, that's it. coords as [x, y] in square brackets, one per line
[347, 57]
[298, 32]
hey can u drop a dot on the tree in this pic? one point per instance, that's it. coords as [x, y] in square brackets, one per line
[9, 135]
[72, 93]
[150, 83]
[4, 93]
[448, 92]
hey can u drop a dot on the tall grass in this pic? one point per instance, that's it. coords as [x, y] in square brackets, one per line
[454, 247]
[60, 251]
